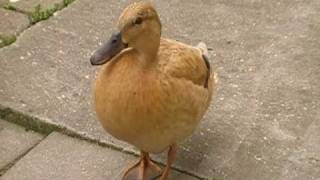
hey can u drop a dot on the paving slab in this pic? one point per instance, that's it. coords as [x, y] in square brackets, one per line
[12, 23]
[265, 52]
[304, 162]
[14, 142]
[29, 5]
[63, 157]
[3, 2]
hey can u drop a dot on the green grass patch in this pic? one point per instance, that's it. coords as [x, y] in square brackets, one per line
[67, 2]
[7, 40]
[10, 7]
[40, 14]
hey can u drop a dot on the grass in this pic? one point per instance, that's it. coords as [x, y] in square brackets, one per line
[7, 40]
[40, 14]
[67, 2]
[10, 7]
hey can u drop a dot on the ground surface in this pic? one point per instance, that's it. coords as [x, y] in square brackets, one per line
[263, 124]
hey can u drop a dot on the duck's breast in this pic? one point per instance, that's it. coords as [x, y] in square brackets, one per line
[147, 108]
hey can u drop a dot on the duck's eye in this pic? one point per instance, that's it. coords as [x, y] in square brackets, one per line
[138, 20]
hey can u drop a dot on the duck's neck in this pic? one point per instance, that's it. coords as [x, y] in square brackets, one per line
[148, 52]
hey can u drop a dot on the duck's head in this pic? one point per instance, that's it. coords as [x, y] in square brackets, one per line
[139, 29]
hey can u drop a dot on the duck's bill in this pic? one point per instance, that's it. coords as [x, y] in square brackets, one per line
[108, 50]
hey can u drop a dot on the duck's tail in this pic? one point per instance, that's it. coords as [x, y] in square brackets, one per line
[205, 54]
[203, 47]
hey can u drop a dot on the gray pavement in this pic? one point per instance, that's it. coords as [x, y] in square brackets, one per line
[3, 2]
[63, 157]
[265, 119]
[12, 23]
[15, 141]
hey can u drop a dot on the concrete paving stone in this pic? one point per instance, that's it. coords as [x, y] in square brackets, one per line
[29, 5]
[265, 52]
[14, 142]
[63, 157]
[12, 23]
[3, 2]
[304, 162]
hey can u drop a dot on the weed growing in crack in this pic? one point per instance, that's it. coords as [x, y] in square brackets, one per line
[67, 2]
[7, 40]
[10, 7]
[40, 14]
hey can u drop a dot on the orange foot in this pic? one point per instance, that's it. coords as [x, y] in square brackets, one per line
[144, 169]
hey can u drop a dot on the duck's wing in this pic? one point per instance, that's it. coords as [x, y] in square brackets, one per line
[190, 70]
[185, 62]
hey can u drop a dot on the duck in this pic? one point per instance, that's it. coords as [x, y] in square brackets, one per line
[150, 91]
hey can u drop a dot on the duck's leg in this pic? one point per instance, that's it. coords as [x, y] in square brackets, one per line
[144, 169]
[171, 158]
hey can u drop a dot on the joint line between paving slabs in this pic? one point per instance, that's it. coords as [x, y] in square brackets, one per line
[36, 15]
[46, 128]
[13, 162]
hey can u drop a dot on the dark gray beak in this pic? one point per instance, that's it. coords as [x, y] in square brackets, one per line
[108, 50]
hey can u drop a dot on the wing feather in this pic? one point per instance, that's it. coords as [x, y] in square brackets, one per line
[184, 62]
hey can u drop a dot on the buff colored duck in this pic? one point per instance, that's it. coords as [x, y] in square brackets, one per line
[150, 92]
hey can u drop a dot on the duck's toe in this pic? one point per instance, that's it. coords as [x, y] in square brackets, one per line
[144, 169]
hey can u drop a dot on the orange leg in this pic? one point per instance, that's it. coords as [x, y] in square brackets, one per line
[171, 158]
[144, 169]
